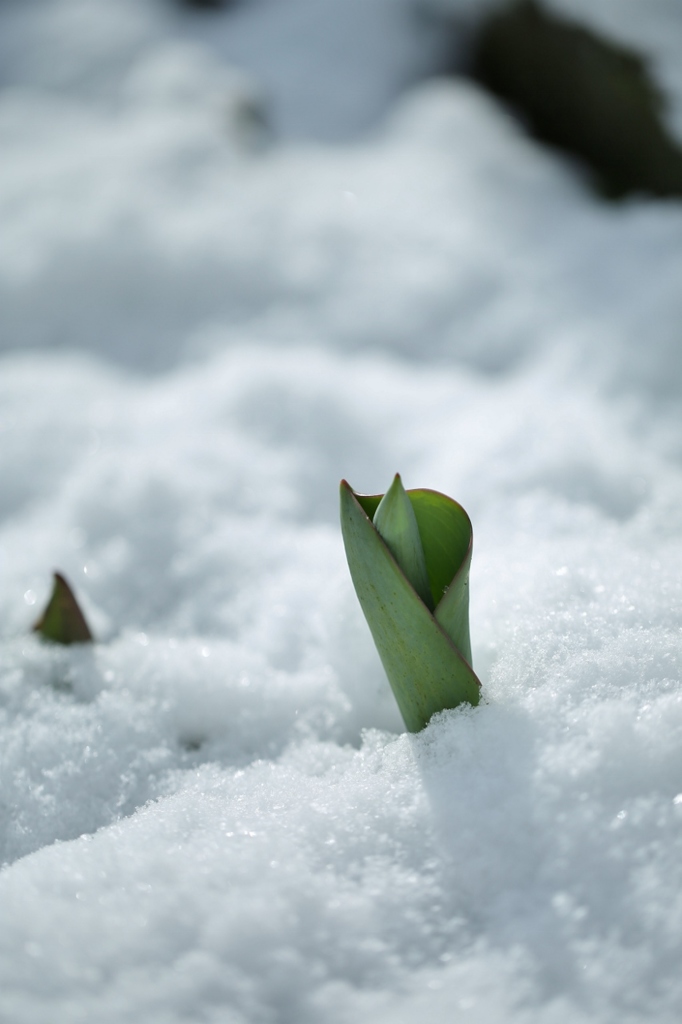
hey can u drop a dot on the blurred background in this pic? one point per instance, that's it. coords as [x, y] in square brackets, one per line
[176, 168]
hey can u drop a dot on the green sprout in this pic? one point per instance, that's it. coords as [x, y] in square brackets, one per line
[409, 554]
[62, 621]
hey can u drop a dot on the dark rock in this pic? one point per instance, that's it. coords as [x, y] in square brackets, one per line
[207, 5]
[581, 93]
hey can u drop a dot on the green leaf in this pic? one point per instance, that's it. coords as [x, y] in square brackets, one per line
[396, 523]
[425, 668]
[62, 621]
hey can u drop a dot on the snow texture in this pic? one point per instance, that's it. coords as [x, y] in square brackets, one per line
[214, 814]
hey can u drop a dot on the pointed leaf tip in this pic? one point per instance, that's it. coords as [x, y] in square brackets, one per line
[396, 524]
[62, 620]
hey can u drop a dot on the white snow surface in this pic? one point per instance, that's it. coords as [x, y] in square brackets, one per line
[213, 814]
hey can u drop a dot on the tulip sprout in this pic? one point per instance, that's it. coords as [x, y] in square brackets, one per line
[409, 554]
[62, 621]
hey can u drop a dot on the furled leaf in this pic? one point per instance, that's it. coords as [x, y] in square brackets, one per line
[63, 621]
[448, 540]
[425, 658]
[446, 534]
[396, 523]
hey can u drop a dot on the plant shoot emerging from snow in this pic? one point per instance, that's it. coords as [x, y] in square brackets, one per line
[409, 554]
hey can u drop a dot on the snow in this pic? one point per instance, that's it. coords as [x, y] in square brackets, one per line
[214, 814]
